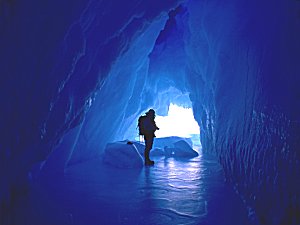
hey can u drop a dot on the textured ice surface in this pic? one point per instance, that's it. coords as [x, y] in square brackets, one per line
[190, 192]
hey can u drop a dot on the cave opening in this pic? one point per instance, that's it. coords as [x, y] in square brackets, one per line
[174, 116]
[179, 122]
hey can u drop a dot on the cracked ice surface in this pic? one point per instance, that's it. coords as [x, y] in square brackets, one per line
[171, 192]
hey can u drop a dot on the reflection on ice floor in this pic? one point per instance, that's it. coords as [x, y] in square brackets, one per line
[171, 192]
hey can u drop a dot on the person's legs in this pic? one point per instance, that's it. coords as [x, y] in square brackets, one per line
[148, 147]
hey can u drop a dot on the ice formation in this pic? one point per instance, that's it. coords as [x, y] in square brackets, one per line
[123, 155]
[184, 150]
[75, 75]
[129, 154]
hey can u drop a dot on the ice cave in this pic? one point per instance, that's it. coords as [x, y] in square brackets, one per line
[76, 75]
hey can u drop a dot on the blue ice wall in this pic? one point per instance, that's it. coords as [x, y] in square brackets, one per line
[76, 75]
[244, 74]
[118, 103]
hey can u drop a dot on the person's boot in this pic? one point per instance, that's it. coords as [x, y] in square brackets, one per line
[148, 162]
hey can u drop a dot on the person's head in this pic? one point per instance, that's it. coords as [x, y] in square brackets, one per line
[151, 113]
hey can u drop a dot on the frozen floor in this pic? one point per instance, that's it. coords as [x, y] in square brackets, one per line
[171, 192]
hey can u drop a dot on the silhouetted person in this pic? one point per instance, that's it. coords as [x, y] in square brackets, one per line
[148, 129]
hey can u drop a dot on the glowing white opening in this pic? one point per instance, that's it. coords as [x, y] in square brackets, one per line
[179, 122]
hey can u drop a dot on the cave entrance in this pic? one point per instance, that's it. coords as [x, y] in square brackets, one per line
[174, 116]
[179, 122]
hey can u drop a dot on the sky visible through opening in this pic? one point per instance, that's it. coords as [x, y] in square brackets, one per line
[179, 122]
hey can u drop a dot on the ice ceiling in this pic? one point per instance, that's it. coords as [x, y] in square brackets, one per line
[76, 75]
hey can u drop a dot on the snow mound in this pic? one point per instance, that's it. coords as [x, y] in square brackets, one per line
[140, 146]
[179, 149]
[122, 154]
[169, 141]
[174, 147]
[170, 151]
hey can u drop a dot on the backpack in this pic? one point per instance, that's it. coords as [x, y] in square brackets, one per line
[142, 125]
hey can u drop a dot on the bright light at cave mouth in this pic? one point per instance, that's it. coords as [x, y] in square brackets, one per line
[179, 122]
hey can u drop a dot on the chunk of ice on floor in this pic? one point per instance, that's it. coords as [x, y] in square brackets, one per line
[122, 154]
[140, 147]
[169, 141]
[157, 152]
[183, 149]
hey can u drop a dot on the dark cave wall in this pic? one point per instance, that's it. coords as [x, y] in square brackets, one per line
[54, 56]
